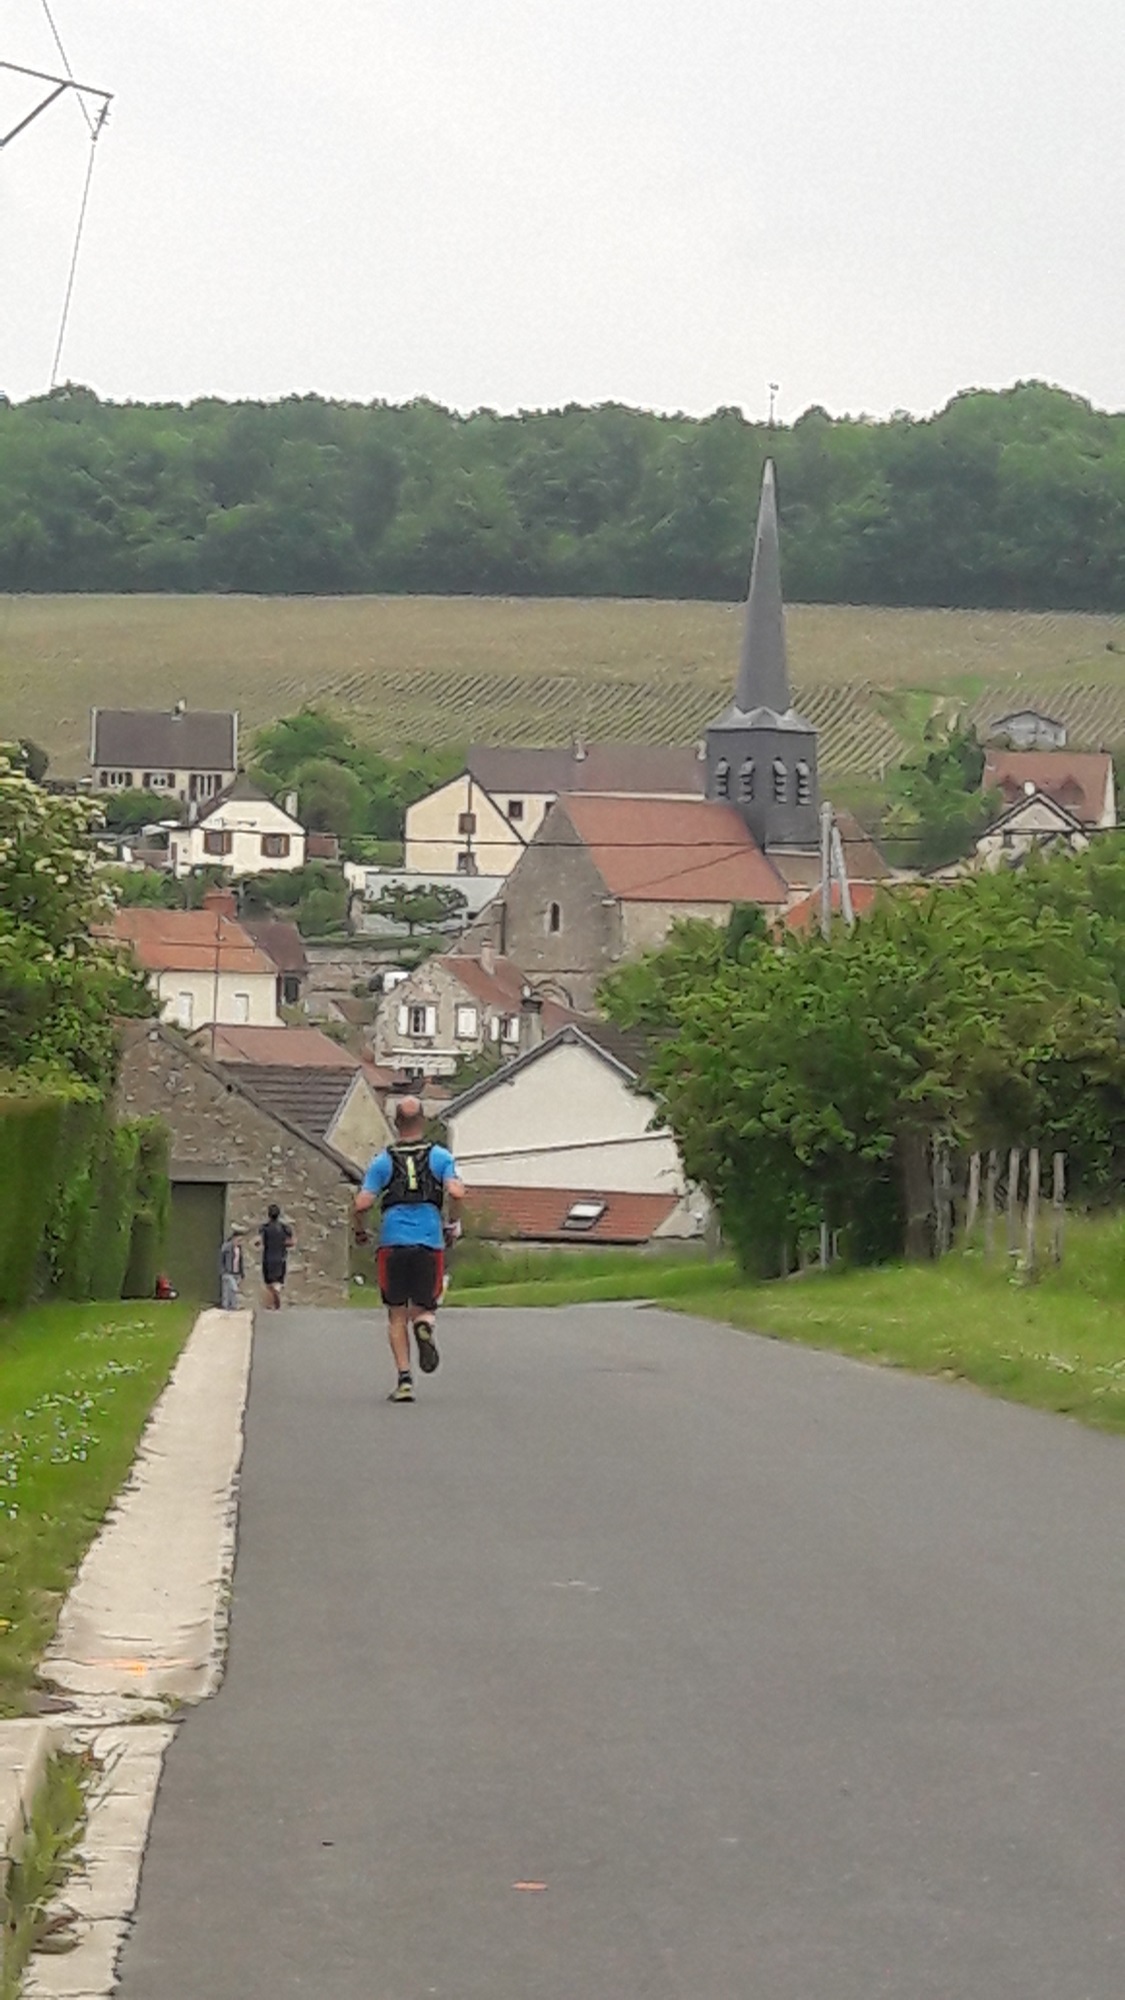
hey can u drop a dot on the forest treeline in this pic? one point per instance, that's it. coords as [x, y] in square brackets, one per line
[1004, 499]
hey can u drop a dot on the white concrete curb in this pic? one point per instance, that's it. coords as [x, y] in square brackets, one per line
[143, 1628]
[26, 1749]
[146, 1619]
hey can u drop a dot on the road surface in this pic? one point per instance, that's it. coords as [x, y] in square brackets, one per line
[788, 1678]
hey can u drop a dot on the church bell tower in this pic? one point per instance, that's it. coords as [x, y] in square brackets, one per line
[761, 755]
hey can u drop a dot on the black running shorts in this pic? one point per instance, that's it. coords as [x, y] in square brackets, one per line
[410, 1274]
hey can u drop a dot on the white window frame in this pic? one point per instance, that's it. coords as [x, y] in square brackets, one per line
[509, 1028]
[466, 1023]
[241, 1010]
[184, 1012]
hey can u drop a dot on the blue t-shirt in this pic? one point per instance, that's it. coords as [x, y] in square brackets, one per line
[411, 1222]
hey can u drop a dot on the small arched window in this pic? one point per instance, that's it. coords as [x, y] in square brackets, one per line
[746, 781]
[804, 784]
[780, 782]
[722, 779]
[554, 919]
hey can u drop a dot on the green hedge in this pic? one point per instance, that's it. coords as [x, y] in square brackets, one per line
[30, 1138]
[83, 1201]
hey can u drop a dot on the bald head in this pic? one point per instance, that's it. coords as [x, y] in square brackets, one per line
[410, 1118]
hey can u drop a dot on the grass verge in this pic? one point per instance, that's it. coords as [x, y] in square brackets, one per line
[58, 1821]
[1057, 1344]
[76, 1385]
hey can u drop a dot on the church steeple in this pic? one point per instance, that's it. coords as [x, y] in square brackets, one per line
[763, 674]
[761, 755]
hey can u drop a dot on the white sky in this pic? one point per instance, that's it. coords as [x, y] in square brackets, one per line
[528, 202]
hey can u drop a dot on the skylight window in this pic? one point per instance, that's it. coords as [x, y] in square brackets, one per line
[583, 1214]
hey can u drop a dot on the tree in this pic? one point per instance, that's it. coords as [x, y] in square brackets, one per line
[63, 984]
[427, 906]
[330, 798]
[808, 1083]
[128, 812]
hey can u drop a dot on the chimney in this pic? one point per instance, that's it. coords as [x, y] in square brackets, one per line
[531, 1019]
[180, 707]
[220, 902]
[579, 749]
[487, 956]
[289, 804]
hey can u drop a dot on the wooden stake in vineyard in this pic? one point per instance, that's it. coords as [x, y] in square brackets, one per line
[972, 1203]
[990, 1203]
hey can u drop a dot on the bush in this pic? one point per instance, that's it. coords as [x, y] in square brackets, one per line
[151, 1210]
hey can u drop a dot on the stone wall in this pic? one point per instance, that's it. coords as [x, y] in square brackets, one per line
[213, 1124]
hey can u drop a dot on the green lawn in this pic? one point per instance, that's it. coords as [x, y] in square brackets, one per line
[76, 1385]
[1058, 1344]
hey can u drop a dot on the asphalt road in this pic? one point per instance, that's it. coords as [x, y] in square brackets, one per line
[790, 1679]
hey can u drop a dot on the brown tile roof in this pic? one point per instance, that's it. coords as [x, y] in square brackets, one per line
[805, 915]
[188, 941]
[309, 1098]
[671, 851]
[501, 987]
[538, 1215]
[863, 857]
[1076, 779]
[281, 941]
[605, 767]
[151, 740]
[280, 1048]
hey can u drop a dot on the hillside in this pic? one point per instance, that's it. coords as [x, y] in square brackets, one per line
[537, 670]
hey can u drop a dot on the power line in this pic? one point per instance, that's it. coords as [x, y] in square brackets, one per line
[95, 135]
[65, 60]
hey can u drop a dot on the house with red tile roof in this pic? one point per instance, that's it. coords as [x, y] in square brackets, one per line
[561, 1145]
[606, 878]
[1081, 781]
[203, 966]
[308, 1079]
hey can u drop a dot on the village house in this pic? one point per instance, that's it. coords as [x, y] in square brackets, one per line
[561, 1145]
[242, 831]
[606, 878]
[481, 821]
[457, 1006]
[1035, 821]
[232, 1153]
[1028, 729]
[1081, 781]
[185, 754]
[202, 965]
[284, 946]
[309, 1080]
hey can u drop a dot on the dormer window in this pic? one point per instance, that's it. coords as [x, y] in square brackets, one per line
[804, 784]
[722, 779]
[780, 782]
[746, 781]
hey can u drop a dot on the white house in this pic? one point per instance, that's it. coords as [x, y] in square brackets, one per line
[183, 753]
[481, 821]
[242, 831]
[202, 965]
[560, 1144]
[1081, 781]
[1029, 729]
[1034, 821]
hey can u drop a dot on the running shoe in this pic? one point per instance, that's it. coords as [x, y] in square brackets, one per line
[428, 1356]
[403, 1393]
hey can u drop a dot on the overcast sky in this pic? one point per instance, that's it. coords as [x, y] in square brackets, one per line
[521, 203]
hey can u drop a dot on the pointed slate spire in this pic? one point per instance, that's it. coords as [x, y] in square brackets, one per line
[763, 674]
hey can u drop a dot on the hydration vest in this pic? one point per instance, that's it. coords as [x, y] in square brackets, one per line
[413, 1181]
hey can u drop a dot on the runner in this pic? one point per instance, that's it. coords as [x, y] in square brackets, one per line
[276, 1239]
[412, 1180]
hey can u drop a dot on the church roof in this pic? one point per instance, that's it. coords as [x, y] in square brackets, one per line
[762, 698]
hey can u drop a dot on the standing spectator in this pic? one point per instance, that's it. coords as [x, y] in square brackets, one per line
[276, 1240]
[231, 1269]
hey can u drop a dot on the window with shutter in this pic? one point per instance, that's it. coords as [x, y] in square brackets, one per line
[430, 1027]
[404, 1020]
[466, 1023]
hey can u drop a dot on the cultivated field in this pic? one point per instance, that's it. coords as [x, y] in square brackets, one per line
[452, 670]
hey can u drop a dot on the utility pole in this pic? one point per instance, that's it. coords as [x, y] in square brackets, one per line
[827, 827]
[773, 389]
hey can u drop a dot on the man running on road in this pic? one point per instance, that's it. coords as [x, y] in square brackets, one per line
[412, 1181]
